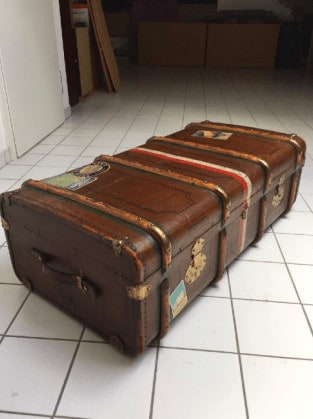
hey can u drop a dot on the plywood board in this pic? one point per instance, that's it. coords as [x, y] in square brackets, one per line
[107, 56]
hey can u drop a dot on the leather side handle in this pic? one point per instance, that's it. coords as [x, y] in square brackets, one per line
[65, 277]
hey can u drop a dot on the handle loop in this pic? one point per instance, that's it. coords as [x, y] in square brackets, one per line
[64, 277]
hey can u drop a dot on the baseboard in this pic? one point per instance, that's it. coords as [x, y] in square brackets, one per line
[67, 112]
[4, 157]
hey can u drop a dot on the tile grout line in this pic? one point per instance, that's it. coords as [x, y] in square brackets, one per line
[69, 370]
[311, 210]
[53, 338]
[294, 286]
[235, 353]
[25, 414]
[223, 97]
[238, 348]
[93, 138]
[171, 84]
[132, 123]
[254, 299]
[154, 381]
[16, 314]
[243, 100]
[40, 415]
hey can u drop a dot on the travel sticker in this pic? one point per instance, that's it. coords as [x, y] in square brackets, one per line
[215, 135]
[178, 299]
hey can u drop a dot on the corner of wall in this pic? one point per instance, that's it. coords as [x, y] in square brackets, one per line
[4, 157]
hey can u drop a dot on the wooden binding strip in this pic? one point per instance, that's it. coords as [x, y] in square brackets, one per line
[292, 139]
[155, 231]
[219, 150]
[165, 318]
[224, 199]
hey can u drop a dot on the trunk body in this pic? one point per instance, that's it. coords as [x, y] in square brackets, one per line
[127, 242]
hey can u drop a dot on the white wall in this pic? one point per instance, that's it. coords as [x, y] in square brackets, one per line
[5, 127]
[270, 5]
[59, 40]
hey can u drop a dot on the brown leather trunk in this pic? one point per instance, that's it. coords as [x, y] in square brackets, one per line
[125, 243]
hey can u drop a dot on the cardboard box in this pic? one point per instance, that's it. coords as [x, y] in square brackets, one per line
[242, 45]
[80, 15]
[198, 12]
[118, 24]
[171, 44]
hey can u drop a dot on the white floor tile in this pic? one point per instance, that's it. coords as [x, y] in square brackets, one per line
[68, 150]
[261, 281]
[18, 184]
[106, 141]
[52, 139]
[11, 299]
[15, 416]
[144, 124]
[104, 384]
[121, 149]
[296, 248]
[85, 132]
[32, 373]
[92, 122]
[6, 184]
[41, 319]
[300, 204]
[42, 148]
[13, 171]
[303, 279]
[89, 335]
[273, 329]
[305, 186]
[265, 250]
[112, 131]
[309, 312]
[77, 141]
[295, 223]
[81, 161]
[56, 161]
[309, 200]
[28, 159]
[206, 324]
[97, 151]
[278, 388]
[131, 142]
[198, 385]
[7, 274]
[38, 173]
[218, 289]
[63, 131]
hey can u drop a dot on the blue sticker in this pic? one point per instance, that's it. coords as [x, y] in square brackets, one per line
[178, 299]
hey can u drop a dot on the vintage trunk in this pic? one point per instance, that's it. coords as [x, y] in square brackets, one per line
[125, 243]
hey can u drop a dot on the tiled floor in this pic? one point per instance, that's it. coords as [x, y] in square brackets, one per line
[244, 348]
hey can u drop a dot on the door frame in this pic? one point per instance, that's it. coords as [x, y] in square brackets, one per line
[8, 132]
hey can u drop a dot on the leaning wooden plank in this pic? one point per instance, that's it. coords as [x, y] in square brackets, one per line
[102, 58]
[104, 42]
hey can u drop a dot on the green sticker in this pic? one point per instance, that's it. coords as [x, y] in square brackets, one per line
[70, 181]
